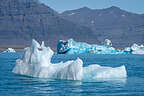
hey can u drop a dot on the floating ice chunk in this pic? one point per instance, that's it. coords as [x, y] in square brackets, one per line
[136, 49]
[36, 62]
[72, 47]
[97, 72]
[10, 50]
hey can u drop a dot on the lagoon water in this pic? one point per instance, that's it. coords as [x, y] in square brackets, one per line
[17, 85]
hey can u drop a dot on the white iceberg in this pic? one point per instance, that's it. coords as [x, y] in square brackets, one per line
[36, 62]
[10, 50]
[101, 73]
[136, 49]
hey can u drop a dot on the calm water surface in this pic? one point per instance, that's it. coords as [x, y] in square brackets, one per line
[17, 85]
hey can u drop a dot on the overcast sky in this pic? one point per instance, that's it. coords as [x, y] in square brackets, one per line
[135, 6]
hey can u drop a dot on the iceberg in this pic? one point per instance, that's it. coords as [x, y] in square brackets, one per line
[135, 49]
[72, 47]
[36, 62]
[10, 50]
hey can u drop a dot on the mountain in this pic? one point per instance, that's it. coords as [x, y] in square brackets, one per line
[122, 27]
[22, 20]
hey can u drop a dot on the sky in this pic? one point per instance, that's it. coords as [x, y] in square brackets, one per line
[135, 6]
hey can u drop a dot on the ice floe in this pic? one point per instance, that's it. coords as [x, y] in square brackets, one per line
[10, 50]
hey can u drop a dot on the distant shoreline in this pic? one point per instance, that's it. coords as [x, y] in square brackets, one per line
[16, 48]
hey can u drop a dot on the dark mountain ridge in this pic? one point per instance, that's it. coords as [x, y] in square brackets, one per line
[23, 20]
[122, 27]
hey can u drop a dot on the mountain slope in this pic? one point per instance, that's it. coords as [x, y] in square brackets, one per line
[122, 27]
[22, 20]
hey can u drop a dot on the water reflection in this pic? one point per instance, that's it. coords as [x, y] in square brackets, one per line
[62, 87]
[47, 86]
